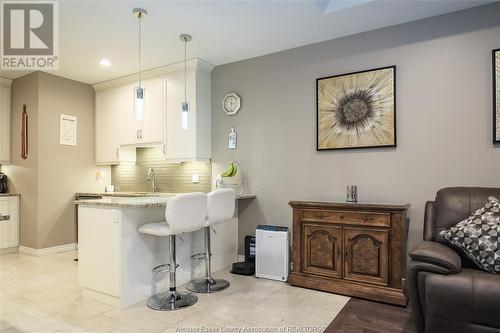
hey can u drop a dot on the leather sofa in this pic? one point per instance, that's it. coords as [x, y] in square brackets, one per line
[448, 292]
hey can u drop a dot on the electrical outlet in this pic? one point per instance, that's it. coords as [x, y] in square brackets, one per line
[195, 178]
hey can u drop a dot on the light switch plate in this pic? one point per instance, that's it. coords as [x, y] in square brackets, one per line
[195, 178]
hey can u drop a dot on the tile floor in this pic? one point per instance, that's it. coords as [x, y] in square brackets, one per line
[41, 294]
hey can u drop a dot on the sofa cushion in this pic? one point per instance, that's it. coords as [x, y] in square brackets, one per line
[472, 296]
[477, 236]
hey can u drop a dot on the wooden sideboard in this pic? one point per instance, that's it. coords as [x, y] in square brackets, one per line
[352, 249]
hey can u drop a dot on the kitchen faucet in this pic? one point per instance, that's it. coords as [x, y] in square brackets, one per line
[152, 178]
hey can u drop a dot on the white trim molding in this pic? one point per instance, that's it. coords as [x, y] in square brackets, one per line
[48, 250]
[4, 82]
[195, 63]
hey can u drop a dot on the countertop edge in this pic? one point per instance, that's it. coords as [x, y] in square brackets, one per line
[145, 195]
[10, 195]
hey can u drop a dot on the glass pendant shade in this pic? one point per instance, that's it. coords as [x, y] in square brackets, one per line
[185, 115]
[139, 103]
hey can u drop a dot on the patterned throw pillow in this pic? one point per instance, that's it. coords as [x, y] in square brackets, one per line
[477, 236]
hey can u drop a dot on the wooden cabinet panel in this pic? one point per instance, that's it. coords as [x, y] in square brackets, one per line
[322, 250]
[357, 218]
[357, 250]
[366, 255]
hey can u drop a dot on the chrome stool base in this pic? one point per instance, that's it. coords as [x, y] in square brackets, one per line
[168, 301]
[207, 286]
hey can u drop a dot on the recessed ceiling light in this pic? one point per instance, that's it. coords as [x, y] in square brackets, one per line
[105, 63]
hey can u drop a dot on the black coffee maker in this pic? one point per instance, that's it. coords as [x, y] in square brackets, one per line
[3, 183]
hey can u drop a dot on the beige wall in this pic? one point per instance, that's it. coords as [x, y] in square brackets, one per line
[60, 171]
[444, 118]
[63, 170]
[23, 174]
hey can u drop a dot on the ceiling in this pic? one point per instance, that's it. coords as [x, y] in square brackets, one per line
[223, 31]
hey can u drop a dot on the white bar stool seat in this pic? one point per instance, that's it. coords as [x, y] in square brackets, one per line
[220, 209]
[184, 213]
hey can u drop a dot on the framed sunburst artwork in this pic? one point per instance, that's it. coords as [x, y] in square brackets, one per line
[496, 96]
[357, 110]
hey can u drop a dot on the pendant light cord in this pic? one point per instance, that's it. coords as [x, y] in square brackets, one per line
[140, 80]
[185, 71]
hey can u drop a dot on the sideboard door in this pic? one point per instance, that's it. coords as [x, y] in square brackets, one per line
[366, 255]
[322, 253]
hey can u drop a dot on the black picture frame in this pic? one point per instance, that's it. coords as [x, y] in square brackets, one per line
[394, 145]
[496, 107]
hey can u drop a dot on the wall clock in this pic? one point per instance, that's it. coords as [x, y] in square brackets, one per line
[231, 103]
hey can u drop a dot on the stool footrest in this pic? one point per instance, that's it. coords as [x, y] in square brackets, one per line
[165, 268]
[200, 256]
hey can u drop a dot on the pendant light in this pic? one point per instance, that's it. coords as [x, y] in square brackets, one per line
[139, 13]
[185, 106]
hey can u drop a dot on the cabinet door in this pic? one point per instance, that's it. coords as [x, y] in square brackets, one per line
[4, 125]
[109, 117]
[322, 253]
[99, 249]
[9, 229]
[153, 124]
[180, 143]
[130, 124]
[366, 257]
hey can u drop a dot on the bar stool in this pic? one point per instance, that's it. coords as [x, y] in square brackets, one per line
[184, 213]
[220, 209]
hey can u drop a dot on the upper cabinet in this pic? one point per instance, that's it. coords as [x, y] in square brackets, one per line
[119, 129]
[148, 128]
[5, 113]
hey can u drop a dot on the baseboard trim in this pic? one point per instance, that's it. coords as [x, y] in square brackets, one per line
[48, 250]
[8, 250]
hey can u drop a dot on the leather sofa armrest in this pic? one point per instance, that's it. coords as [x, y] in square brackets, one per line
[429, 220]
[437, 254]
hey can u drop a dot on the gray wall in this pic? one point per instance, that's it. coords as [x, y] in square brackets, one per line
[23, 174]
[53, 173]
[444, 118]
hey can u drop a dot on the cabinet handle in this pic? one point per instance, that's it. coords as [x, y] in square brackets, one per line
[140, 134]
[137, 134]
[164, 149]
[118, 152]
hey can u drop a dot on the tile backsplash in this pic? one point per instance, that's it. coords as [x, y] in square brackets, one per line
[170, 177]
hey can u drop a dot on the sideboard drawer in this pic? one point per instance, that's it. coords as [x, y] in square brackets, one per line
[355, 218]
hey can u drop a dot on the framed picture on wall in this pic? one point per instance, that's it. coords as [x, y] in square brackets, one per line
[356, 110]
[496, 96]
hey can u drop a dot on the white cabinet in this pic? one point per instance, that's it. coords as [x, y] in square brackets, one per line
[150, 129]
[9, 229]
[99, 250]
[111, 105]
[117, 125]
[5, 121]
[194, 142]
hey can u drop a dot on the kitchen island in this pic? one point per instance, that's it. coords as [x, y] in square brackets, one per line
[115, 261]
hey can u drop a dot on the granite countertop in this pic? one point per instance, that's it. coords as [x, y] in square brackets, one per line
[9, 195]
[127, 202]
[147, 194]
[133, 199]
[124, 194]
